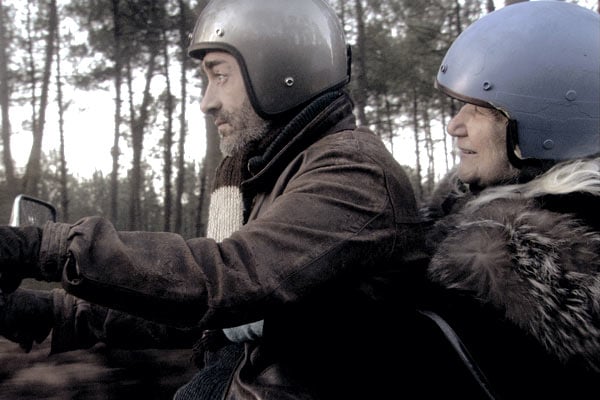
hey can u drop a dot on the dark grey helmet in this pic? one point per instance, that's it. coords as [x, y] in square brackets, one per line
[538, 62]
[289, 50]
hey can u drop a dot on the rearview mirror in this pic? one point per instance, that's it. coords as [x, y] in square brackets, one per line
[28, 210]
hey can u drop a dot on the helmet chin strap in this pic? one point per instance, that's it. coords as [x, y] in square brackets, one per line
[528, 168]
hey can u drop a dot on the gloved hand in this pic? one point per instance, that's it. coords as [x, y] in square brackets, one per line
[19, 250]
[25, 316]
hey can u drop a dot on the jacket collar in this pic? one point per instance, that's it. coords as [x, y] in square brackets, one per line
[333, 114]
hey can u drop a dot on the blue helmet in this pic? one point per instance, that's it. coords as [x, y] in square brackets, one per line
[539, 63]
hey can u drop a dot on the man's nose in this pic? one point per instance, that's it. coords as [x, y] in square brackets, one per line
[210, 101]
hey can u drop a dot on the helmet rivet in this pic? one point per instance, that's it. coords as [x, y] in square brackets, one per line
[220, 32]
[571, 95]
[548, 144]
[444, 68]
[190, 36]
[289, 81]
[487, 85]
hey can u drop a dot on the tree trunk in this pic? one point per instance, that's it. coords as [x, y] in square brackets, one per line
[7, 159]
[389, 123]
[429, 149]
[415, 122]
[115, 151]
[167, 142]
[360, 68]
[33, 172]
[137, 141]
[458, 18]
[180, 180]
[64, 194]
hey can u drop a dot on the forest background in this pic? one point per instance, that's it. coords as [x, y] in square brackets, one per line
[78, 73]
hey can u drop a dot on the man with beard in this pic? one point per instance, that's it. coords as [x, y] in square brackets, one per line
[309, 216]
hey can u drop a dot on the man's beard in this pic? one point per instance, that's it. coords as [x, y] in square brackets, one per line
[247, 128]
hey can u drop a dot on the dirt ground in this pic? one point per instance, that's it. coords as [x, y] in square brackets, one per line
[94, 374]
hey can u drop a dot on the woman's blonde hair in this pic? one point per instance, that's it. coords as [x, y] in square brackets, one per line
[581, 175]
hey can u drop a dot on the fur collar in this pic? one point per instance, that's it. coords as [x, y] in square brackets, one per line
[539, 267]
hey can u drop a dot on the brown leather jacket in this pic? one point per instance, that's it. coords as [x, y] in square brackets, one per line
[333, 217]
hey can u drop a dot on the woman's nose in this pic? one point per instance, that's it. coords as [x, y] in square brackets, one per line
[456, 126]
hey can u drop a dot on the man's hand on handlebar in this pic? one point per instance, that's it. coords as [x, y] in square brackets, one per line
[19, 249]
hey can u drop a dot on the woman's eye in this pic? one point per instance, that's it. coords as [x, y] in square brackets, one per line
[484, 110]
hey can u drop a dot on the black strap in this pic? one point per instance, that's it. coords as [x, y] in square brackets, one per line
[461, 350]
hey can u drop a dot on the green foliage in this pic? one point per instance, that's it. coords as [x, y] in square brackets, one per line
[91, 197]
[404, 43]
[401, 47]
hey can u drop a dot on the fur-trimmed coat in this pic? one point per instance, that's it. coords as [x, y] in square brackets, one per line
[519, 269]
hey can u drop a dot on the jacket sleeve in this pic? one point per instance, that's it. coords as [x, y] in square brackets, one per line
[149, 274]
[79, 324]
[333, 219]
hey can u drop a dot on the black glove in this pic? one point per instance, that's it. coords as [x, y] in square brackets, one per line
[19, 250]
[26, 315]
